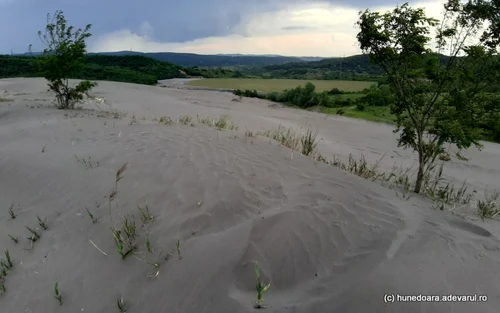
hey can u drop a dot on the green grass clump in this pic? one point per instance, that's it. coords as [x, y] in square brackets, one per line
[260, 287]
[121, 305]
[165, 120]
[309, 143]
[57, 293]
[185, 119]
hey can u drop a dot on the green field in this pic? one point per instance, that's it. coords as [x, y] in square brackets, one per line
[269, 85]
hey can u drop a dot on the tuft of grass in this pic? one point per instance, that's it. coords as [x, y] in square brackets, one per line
[8, 260]
[165, 120]
[490, 206]
[34, 234]
[92, 218]
[185, 119]
[2, 287]
[42, 223]
[3, 271]
[309, 143]
[128, 224]
[14, 239]
[287, 138]
[146, 216]
[260, 287]
[121, 305]
[11, 211]
[224, 122]
[57, 293]
[123, 246]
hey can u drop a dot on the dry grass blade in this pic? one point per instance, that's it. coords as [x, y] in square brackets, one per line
[120, 172]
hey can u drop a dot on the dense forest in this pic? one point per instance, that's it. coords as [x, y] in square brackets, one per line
[131, 69]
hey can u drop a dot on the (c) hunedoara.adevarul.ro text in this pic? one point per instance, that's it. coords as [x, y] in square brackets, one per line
[392, 298]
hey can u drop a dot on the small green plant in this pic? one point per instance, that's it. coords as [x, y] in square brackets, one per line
[3, 271]
[11, 211]
[185, 119]
[260, 287]
[148, 244]
[8, 260]
[42, 223]
[178, 248]
[92, 218]
[129, 228]
[14, 239]
[57, 293]
[123, 246]
[146, 216]
[34, 234]
[2, 286]
[121, 305]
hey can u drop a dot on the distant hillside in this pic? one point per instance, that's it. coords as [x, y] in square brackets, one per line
[129, 68]
[354, 67]
[200, 60]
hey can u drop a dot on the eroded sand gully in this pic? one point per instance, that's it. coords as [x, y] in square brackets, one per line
[328, 241]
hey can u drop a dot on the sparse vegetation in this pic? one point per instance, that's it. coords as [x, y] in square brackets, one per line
[309, 143]
[57, 293]
[42, 223]
[124, 245]
[490, 206]
[14, 239]
[34, 234]
[128, 226]
[165, 120]
[260, 287]
[8, 260]
[11, 211]
[92, 218]
[146, 216]
[185, 119]
[121, 305]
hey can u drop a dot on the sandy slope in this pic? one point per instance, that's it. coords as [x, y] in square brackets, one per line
[328, 241]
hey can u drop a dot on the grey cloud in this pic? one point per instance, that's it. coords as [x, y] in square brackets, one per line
[171, 20]
[297, 27]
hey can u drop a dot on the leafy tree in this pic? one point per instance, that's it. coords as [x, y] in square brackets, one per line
[62, 58]
[437, 100]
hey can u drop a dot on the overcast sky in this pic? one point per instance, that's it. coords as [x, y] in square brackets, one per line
[287, 27]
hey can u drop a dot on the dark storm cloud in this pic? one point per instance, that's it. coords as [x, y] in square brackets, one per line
[173, 21]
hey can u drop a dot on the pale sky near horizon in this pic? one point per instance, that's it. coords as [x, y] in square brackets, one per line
[324, 28]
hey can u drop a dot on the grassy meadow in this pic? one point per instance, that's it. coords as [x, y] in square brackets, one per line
[270, 85]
